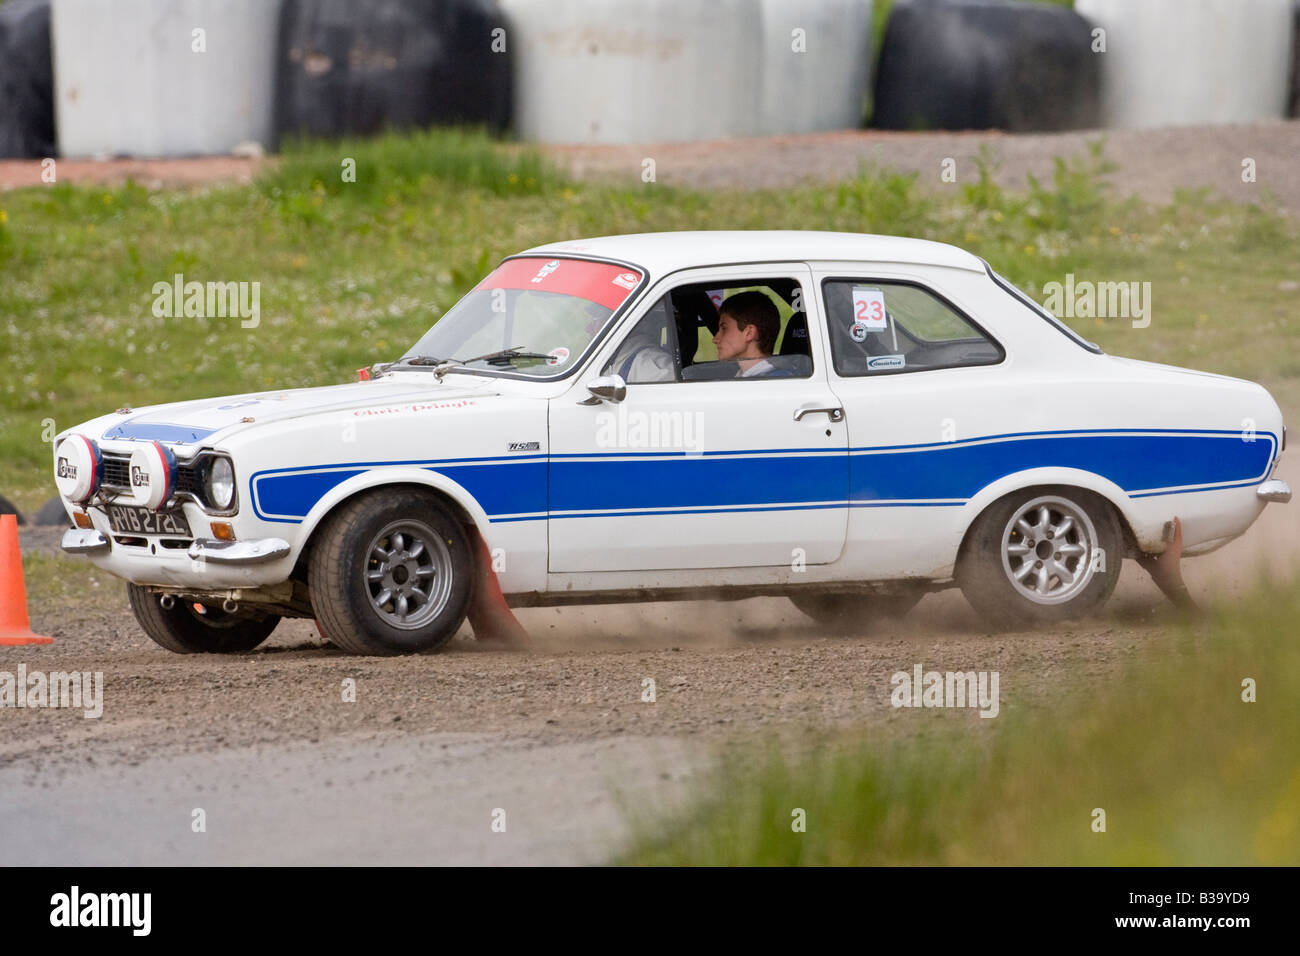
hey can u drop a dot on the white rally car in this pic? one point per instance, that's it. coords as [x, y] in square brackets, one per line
[621, 420]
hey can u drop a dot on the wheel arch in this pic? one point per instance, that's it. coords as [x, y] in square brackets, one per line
[1033, 478]
[462, 504]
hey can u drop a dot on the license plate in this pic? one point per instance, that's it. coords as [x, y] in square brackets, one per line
[125, 520]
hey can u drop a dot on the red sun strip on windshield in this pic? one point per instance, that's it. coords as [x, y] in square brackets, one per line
[599, 282]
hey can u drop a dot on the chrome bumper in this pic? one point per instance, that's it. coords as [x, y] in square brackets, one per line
[1275, 489]
[83, 541]
[238, 552]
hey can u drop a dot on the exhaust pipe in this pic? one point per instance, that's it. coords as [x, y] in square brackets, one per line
[168, 601]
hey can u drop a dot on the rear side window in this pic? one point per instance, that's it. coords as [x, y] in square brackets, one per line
[882, 328]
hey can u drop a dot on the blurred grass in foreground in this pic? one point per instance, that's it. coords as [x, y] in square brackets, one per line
[1187, 772]
[353, 272]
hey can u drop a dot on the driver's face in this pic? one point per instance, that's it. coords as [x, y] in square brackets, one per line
[732, 341]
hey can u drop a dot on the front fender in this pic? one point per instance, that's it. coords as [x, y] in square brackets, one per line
[378, 478]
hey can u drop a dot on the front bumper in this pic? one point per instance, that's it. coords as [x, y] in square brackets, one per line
[238, 552]
[1275, 489]
[83, 541]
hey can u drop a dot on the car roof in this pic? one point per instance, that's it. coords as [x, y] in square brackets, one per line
[665, 252]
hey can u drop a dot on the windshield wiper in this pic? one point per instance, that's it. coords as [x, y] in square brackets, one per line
[442, 366]
[505, 356]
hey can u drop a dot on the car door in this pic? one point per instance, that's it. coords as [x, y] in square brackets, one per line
[919, 378]
[686, 474]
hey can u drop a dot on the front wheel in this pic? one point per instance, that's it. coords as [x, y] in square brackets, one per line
[391, 573]
[188, 627]
[1040, 556]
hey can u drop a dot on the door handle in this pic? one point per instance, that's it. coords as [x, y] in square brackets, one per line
[836, 413]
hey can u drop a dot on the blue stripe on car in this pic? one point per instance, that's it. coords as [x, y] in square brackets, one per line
[158, 431]
[1143, 462]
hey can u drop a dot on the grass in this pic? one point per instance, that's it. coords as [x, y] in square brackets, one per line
[1185, 770]
[353, 272]
[69, 582]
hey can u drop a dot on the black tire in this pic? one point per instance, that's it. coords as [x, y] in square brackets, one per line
[183, 630]
[986, 575]
[52, 513]
[856, 613]
[7, 507]
[344, 596]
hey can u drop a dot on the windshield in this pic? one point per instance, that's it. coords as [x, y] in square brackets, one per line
[532, 316]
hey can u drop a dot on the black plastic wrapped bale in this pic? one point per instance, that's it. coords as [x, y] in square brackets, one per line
[7, 508]
[52, 513]
[358, 68]
[26, 80]
[986, 64]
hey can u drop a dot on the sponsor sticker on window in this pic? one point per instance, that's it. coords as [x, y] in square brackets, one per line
[600, 282]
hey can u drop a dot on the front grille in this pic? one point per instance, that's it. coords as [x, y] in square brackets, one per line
[187, 480]
[117, 476]
[117, 472]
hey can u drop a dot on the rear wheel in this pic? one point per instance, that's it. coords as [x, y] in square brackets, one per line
[854, 613]
[1041, 555]
[391, 573]
[188, 627]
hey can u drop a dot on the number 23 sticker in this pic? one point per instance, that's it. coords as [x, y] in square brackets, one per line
[869, 309]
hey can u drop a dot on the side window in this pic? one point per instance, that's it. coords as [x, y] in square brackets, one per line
[709, 331]
[648, 354]
[888, 327]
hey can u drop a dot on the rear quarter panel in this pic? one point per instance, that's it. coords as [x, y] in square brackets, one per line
[930, 450]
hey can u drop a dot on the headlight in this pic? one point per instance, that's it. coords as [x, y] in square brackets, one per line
[78, 468]
[221, 483]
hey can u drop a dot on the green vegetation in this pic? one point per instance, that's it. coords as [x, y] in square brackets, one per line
[1185, 770]
[352, 273]
[69, 582]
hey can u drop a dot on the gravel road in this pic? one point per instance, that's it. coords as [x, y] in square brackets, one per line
[557, 737]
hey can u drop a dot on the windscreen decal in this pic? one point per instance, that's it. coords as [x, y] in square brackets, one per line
[600, 282]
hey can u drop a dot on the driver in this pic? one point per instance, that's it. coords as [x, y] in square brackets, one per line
[748, 325]
[640, 358]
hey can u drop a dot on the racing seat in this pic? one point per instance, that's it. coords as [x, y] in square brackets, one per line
[693, 308]
[795, 341]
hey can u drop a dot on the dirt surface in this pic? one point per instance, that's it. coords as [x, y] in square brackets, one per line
[149, 173]
[557, 737]
[556, 741]
[1149, 163]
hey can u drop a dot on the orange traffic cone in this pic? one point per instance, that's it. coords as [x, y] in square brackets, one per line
[14, 626]
[489, 614]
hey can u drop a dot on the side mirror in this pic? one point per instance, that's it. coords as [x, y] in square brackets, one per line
[607, 388]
